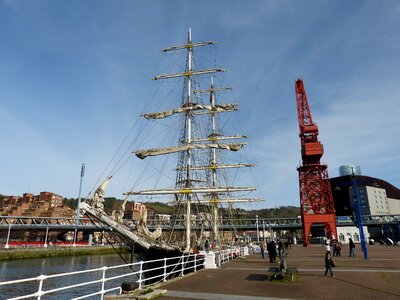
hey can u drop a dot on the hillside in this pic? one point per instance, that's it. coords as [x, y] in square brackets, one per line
[112, 203]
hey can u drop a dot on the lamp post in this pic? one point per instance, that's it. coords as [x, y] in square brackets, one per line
[359, 215]
[6, 246]
[258, 233]
[78, 204]
[264, 230]
[45, 239]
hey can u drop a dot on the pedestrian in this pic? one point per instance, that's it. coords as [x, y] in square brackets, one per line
[352, 247]
[271, 248]
[338, 248]
[329, 263]
[282, 262]
[262, 247]
[251, 248]
[334, 248]
[327, 244]
[207, 246]
[281, 250]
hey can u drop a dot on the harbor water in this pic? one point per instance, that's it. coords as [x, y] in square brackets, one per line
[26, 268]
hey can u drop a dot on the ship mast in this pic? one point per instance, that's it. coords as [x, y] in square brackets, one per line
[187, 187]
[213, 164]
[189, 140]
[188, 113]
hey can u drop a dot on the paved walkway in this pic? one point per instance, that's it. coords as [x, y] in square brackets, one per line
[355, 278]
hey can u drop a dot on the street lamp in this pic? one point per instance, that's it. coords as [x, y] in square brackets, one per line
[78, 204]
[264, 230]
[359, 215]
[45, 239]
[258, 234]
[8, 236]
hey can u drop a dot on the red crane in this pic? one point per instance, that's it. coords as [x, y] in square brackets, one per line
[315, 189]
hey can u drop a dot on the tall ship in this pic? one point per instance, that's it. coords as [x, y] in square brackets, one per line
[205, 188]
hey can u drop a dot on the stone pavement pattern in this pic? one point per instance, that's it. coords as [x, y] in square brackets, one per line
[355, 278]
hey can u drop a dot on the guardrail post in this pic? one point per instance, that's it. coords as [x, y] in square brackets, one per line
[195, 263]
[103, 282]
[182, 260]
[165, 269]
[40, 292]
[140, 274]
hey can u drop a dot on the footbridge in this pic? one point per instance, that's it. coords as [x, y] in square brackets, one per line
[86, 224]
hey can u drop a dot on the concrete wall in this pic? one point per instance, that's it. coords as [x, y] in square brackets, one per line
[394, 206]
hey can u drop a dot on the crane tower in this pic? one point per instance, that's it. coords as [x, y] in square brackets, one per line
[315, 191]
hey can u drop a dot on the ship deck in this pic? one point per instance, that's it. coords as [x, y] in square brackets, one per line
[355, 278]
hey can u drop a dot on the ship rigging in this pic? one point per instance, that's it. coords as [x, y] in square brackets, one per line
[200, 180]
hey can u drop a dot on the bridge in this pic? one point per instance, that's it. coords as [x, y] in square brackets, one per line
[85, 224]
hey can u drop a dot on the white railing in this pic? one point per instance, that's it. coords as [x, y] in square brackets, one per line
[143, 273]
[229, 254]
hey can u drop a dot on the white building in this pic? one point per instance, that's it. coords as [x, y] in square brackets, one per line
[345, 233]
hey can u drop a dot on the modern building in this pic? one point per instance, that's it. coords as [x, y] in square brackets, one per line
[377, 198]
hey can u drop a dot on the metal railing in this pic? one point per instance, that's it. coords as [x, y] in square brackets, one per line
[143, 272]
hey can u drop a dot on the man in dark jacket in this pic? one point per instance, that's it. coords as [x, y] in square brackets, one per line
[352, 247]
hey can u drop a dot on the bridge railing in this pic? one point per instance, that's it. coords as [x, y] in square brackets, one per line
[100, 281]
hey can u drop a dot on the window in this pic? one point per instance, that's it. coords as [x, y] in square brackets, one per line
[355, 237]
[341, 237]
[348, 235]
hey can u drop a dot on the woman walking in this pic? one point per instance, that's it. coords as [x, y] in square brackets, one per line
[328, 263]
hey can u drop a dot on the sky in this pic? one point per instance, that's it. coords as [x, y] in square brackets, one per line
[75, 76]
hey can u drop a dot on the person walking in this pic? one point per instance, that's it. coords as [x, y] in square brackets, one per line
[338, 248]
[262, 247]
[328, 264]
[282, 262]
[334, 246]
[327, 244]
[271, 248]
[352, 247]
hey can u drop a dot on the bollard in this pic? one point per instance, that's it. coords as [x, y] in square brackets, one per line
[129, 286]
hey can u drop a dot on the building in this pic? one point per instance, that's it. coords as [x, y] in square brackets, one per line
[46, 204]
[377, 198]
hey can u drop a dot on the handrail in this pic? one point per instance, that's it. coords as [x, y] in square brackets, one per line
[164, 269]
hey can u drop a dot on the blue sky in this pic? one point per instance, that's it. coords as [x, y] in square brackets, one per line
[74, 77]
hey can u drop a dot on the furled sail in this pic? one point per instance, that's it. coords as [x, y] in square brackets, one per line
[211, 167]
[160, 151]
[194, 190]
[216, 137]
[233, 200]
[192, 107]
